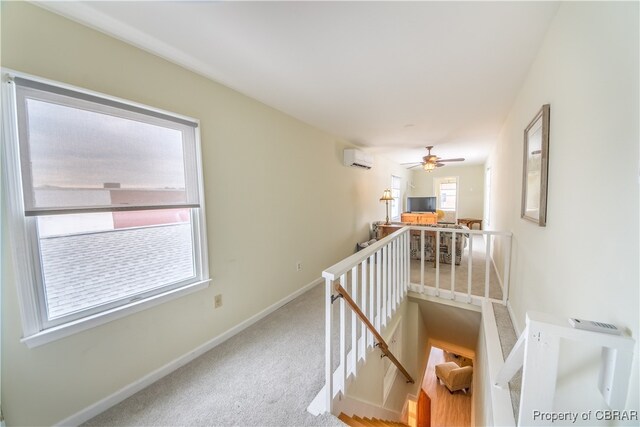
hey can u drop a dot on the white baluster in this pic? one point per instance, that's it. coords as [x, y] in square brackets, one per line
[402, 262]
[372, 288]
[392, 282]
[394, 276]
[383, 314]
[378, 314]
[363, 287]
[354, 320]
[453, 265]
[421, 261]
[469, 267]
[437, 254]
[396, 260]
[407, 256]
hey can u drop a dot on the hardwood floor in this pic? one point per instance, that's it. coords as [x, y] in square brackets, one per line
[446, 409]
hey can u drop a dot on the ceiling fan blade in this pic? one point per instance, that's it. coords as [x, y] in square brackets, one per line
[414, 166]
[459, 159]
[439, 165]
[410, 163]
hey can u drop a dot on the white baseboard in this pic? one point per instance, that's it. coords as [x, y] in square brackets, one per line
[130, 389]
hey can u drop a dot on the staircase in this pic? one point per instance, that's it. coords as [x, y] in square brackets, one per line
[356, 421]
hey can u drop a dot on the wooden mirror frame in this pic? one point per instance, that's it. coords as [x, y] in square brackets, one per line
[539, 122]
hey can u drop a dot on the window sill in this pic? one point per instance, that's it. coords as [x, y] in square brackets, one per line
[57, 332]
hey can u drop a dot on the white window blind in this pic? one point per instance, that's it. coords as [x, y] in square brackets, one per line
[104, 201]
[80, 153]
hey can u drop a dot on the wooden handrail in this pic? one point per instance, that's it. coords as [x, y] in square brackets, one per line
[381, 342]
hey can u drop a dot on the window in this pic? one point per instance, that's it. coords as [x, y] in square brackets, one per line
[107, 201]
[395, 193]
[447, 190]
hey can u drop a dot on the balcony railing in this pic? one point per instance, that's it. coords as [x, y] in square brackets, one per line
[464, 266]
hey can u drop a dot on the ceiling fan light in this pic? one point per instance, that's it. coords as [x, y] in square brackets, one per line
[429, 166]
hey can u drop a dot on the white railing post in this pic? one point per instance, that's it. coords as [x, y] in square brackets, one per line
[539, 374]
[328, 354]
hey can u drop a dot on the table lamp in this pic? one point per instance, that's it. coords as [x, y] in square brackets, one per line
[386, 196]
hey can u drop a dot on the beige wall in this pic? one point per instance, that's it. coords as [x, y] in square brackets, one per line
[451, 328]
[470, 187]
[582, 263]
[276, 193]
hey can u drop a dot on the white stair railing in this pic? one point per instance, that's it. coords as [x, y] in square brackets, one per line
[537, 351]
[448, 291]
[377, 278]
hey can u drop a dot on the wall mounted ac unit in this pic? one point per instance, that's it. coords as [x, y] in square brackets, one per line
[357, 158]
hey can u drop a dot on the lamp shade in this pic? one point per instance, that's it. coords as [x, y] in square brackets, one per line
[386, 196]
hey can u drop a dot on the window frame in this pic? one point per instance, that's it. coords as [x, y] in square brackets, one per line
[37, 328]
[437, 190]
[396, 200]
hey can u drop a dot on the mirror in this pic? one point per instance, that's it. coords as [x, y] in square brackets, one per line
[535, 168]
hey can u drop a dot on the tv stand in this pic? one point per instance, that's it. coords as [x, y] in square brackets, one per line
[420, 217]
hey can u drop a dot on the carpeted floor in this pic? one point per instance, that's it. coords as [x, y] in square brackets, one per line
[268, 374]
[461, 272]
[265, 376]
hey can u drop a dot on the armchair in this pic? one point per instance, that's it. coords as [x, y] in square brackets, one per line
[453, 376]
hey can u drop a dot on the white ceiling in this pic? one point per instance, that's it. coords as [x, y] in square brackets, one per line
[391, 76]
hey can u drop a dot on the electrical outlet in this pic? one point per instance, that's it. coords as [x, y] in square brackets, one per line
[217, 301]
[299, 266]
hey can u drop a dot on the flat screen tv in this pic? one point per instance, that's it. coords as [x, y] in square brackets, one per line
[421, 204]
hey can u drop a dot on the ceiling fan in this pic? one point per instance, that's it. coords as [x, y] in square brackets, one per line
[431, 161]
